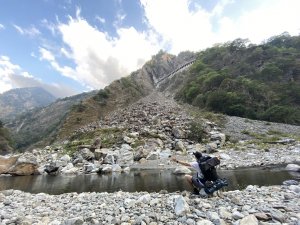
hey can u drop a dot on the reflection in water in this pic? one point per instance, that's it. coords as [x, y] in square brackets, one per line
[150, 181]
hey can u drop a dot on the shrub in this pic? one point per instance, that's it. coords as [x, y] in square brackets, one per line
[196, 131]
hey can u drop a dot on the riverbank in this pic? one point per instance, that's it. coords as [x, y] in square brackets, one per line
[254, 205]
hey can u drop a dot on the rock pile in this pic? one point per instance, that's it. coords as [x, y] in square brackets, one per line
[252, 206]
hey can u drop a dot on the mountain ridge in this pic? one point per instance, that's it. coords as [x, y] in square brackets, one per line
[19, 100]
[190, 85]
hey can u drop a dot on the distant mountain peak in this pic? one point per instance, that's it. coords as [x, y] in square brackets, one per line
[19, 100]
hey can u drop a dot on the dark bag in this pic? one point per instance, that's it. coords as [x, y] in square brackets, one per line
[216, 185]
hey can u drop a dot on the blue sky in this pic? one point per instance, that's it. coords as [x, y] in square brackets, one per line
[72, 46]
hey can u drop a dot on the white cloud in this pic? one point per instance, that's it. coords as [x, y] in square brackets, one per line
[183, 29]
[13, 76]
[99, 59]
[100, 19]
[31, 31]
[179, 27]
[46, 55]
[50, 26]
[2, 26]
[266, 20]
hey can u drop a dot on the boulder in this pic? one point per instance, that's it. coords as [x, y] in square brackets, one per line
[178, 133]
[87, 154]
[293, 167]
[126, 158]
[6, 163]
[52, 169]
[182, 170]
[101, 153]
[110, 158]
[217, 137]
[22, 165]
[179, 146]
[249, 220]
[153, 156]
[69, 169]
[140, 153]
[181, 207]
[96, 144]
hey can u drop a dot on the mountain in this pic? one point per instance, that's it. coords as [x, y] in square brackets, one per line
[5, 140]
[17, 101]
[42, 124]
[254, 81]
[259, 82]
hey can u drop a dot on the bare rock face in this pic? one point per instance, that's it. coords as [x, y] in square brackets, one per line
[21, 165]
[6, 163]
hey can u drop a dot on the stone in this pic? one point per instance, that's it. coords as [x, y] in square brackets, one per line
[294, 188]
[220, 137]
[204, 222]
[237, 215]
[51, 169]
[224, 214]
[278, 215]
[145, 198]
[65, 158]
[262, 216]
[153, 156]
[290, 182]
[74, 221]
[101, 153]
[22, 165]
[292, 167]
[116, 168]
[225, 156]
[179, 146]
[249, 220]
[182, 170]
[178, 133]
[110, 159]
[87, 154]
[181, 207]
[213, 216]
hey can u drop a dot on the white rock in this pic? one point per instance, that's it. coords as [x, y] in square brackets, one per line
[249, 220]
[145, 198]
[293, 167]
[181, 206]
[182, 170]
[225, 156]
[204, 222]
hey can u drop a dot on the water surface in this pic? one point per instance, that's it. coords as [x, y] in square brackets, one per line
[144, 180]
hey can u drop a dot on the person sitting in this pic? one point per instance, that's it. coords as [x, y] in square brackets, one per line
[206, 177]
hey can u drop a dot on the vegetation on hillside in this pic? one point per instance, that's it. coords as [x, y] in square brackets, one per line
[6, 142]
[254, 81]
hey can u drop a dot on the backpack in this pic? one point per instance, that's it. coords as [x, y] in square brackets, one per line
[207, 166]
[216, 185]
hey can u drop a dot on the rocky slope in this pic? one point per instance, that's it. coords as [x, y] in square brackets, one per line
[146, 133]
[19, 100]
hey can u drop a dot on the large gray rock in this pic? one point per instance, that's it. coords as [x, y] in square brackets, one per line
[178, 133]
[87, 154]
[293, 167]
[182, 170]
[249, 220]
[21, 165]
[100, 154]
[181, 207]
[179, 146]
